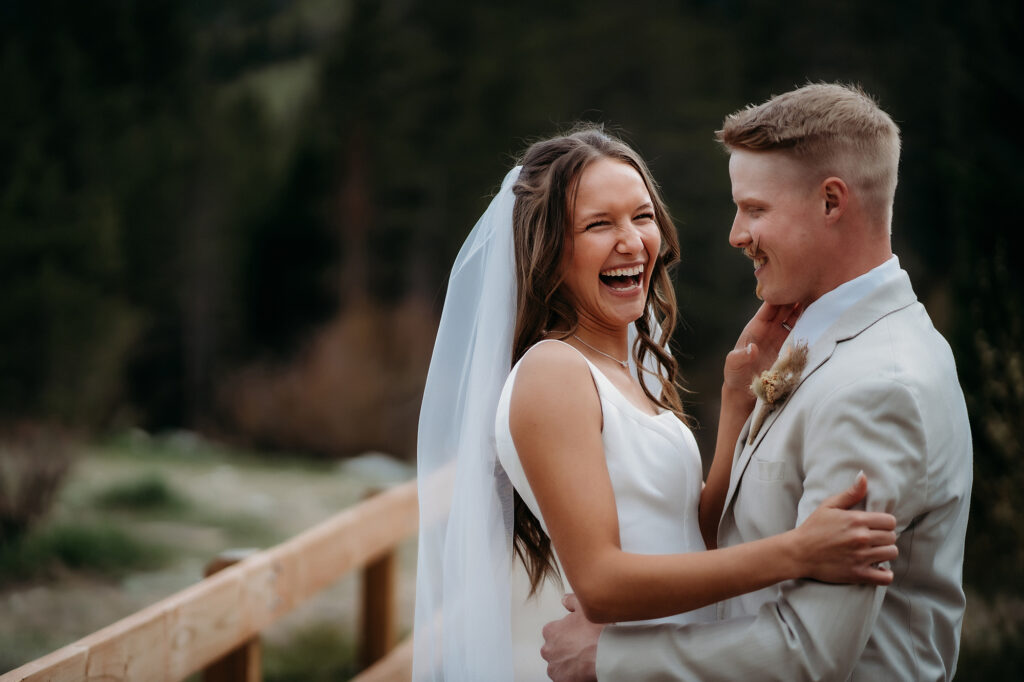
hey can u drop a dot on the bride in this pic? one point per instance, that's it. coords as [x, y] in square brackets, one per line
[578, 465]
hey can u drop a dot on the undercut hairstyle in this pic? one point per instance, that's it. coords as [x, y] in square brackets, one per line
[542, 230]
[832, 130]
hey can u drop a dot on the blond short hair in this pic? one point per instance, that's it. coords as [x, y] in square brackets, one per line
[832, 129]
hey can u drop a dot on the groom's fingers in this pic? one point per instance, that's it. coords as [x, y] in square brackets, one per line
[570, 602]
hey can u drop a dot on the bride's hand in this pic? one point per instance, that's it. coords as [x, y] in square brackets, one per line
[837, 545]
[758, 346]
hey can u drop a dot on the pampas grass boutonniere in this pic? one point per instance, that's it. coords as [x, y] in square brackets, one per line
[775, 384]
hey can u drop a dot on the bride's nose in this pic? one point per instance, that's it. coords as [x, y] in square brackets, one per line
[630, 240]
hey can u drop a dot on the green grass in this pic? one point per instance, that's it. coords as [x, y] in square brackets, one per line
[319, 652]
[94, 548]
[178, 447]
[151, 496]
[150, 492]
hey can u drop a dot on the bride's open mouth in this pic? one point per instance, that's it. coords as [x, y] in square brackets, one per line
[623, 279]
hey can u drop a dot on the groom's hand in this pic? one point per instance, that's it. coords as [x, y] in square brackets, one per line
[570, 645]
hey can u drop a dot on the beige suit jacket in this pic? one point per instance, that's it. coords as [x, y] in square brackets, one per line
[879, 394]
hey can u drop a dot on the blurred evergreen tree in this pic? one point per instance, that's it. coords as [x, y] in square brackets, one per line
[79, 79]
[124, 186]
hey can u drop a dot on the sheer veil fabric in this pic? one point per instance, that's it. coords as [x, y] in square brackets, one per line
[463, 611]
[462, 627]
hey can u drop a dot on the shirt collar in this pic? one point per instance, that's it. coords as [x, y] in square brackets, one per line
[820, 315]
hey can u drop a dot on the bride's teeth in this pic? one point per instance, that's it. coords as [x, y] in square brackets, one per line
[624, 272]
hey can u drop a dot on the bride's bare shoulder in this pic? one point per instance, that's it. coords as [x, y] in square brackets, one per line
[553, 376]
[553, 359]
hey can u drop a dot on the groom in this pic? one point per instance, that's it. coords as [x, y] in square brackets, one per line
[813, 177]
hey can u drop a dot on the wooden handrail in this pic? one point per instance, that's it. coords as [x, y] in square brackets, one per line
[187, 631]
[397, 665]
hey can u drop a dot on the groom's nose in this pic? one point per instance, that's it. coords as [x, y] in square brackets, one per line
[739, 235]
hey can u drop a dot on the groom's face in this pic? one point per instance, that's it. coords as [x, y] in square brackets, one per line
[778, 223]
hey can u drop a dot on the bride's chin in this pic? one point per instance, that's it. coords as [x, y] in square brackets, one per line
[624, 320]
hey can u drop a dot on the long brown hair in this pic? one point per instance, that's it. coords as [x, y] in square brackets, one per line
[545, 196]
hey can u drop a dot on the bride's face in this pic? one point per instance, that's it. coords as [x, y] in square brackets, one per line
[614, 244]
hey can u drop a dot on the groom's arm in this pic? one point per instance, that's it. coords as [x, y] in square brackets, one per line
[814, 630]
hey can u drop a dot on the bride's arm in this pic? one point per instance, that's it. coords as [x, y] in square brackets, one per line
[555, 421]
[756, 349]
[736, 405]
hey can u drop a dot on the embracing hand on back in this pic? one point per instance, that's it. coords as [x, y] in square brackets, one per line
[758, 346]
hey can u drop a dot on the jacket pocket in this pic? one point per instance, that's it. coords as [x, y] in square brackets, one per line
[770, 471]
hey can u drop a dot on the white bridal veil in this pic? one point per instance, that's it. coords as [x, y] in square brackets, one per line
[462, 582]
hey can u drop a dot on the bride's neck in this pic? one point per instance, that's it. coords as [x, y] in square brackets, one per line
[615, 342]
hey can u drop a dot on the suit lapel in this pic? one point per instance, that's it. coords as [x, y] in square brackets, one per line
[884, 301]
[818, 354]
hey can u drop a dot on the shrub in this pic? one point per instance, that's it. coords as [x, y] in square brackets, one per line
[33, 462]
[355, 388]
[103, 550]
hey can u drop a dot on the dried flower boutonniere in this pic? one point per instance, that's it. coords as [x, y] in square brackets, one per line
[775, 384]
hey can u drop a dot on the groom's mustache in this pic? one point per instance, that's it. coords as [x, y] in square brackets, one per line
[753, 252]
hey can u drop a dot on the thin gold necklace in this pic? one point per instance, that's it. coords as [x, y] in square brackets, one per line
[624, 363]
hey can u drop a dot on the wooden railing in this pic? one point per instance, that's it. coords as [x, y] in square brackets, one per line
[214, 625]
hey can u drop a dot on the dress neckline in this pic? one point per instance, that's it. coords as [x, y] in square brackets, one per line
[622, 398]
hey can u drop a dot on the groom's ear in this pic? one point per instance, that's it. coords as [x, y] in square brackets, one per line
[835, 195]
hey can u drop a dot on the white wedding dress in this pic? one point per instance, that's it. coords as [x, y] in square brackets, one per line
[656, 475]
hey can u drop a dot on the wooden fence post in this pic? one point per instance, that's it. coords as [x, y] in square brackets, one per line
[378, 626]
[377, 630]
[244, 663]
